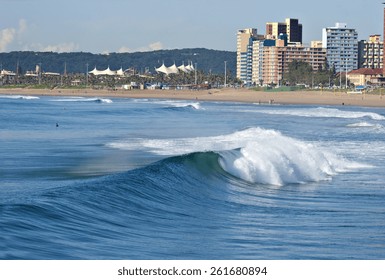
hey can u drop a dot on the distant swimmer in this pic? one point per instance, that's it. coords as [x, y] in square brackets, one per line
[57, 124]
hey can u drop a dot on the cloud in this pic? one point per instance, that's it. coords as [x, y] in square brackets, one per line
[8, 35]
[22, 26]
[60, 48]
[151, 47]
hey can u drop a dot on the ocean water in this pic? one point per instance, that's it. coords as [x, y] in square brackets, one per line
[94, 178]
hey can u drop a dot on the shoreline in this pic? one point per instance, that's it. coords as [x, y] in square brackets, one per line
[219, 95]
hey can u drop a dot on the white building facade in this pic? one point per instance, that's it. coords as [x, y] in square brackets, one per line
[341, 43]
[245, 39]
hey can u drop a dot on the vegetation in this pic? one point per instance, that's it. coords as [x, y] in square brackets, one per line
[300, 72]
[209, 61]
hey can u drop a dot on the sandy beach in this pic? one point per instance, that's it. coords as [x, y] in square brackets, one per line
[229, 94]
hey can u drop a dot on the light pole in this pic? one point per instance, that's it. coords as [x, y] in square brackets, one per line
[87, 75]
[225, 73]
[39, 73]
[196, 80]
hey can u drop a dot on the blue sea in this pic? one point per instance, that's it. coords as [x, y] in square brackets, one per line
[98, 178]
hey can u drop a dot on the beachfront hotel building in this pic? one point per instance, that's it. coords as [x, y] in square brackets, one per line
[276, 60]
[257, 66]
[383, 50]
[370, 53]
[291, 27]
[341, 43]
[264, 59]
[245, 41]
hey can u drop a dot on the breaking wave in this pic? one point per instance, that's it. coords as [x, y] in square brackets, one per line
[81, 99]
[254, 155]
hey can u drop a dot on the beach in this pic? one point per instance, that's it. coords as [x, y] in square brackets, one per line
[228, 94]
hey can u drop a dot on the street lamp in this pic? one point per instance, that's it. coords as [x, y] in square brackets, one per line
[225, 73]
[87, 75]
[39, 74]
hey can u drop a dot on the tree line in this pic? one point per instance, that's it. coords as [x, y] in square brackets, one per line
[209, 61]
[300, 72]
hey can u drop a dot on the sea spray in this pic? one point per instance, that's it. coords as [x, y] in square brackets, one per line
[255, 155]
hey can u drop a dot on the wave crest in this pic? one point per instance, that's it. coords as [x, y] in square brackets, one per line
[256, 155]
[82, 99]
[276, 164]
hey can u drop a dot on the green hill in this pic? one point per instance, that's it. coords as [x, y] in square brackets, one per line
[206, 60]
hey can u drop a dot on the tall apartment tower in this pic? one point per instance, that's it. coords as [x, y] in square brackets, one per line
[370, 53]
[245, 39]
[383, 58]
[291, 27]
[341, 43]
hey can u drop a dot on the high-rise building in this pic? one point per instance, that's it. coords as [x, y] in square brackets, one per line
[370, 53]
[276, 60]
[265, 59]
[341, 43]
[291, 27]
[245, 39]
[257, 72]
[383, 51]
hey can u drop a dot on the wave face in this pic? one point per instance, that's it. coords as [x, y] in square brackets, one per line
[256, 155]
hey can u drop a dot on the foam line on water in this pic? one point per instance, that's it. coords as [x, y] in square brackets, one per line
[322, 112]
[82, 99]
[179, 104]
[26, 97]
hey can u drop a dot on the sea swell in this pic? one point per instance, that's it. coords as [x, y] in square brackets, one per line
[206, 198]
[111, 215]
[255, 155]
[211, 192]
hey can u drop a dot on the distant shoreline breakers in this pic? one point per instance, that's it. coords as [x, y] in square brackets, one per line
[227, 95]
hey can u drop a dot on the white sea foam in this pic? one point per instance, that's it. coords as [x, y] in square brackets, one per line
[361, 124]
[173, 103]
[375, 126]
[19, 97]
[255, 155]
[284, 161]
[181, 104]
[322, 112]
[82, 99]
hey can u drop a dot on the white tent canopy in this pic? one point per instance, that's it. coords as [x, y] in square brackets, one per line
[107, 72]
[163, 69]
[173, 69]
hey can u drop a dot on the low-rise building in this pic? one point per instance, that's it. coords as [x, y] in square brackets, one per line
[365, 76]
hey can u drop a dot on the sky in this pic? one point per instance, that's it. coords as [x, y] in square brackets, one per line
[146, 25]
